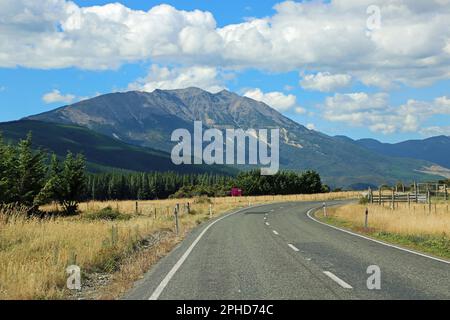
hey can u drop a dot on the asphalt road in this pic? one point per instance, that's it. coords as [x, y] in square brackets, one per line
[277, 252]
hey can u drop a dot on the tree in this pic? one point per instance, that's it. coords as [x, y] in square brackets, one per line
[30, 175]
[67, 183]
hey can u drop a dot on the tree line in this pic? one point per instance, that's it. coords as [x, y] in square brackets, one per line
[149, 186]
[31, 178]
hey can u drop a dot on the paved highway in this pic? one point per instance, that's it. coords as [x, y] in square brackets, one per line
[278, 251]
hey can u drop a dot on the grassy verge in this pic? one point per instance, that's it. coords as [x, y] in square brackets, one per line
[404, 227]
[111, 242]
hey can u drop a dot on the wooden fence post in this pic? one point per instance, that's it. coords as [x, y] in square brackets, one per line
[176, 220]
[393, 199]
[416, 192]
[137, 208]
[366, 222]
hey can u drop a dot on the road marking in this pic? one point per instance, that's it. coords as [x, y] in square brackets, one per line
[293, 247]
[155, 295]
[339, 281]
[275, 232]
[267, 224]
[374, 240]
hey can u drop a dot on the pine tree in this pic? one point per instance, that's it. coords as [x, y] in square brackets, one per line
[31, 175]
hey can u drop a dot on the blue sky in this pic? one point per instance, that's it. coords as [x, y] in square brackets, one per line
[386, 79]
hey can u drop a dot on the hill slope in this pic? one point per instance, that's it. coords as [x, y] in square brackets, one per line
[435, 149]
[148, 119]
[101, 151]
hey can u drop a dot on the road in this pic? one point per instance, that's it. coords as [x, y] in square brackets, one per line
[277, 252]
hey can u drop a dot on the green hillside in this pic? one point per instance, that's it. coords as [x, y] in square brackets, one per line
[102, 153]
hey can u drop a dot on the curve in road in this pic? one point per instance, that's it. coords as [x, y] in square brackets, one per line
[277, 252]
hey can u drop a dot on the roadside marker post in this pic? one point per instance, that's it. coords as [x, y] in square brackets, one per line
[324, 209]
[210, 211]
[176, 220]
[366, 222]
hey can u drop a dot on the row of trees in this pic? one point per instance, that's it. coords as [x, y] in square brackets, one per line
[154, 185]
[147, 186]
[29, 179]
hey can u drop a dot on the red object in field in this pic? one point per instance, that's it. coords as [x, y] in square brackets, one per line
[236, 192]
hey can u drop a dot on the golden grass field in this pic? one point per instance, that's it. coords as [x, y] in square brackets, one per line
[416, 219]
[34, 252]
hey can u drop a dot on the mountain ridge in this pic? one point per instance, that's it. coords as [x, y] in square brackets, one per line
[148, 119]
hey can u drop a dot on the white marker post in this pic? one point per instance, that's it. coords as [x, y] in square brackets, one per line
[324, 209]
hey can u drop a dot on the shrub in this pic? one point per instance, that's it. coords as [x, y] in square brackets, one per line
[107, 214]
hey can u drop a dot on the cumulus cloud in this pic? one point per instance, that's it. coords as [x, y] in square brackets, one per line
[325, 82]
[300, 110]
[412, 45]
[158, 77]
[276, 99]
[435, 131]
[56, 96]
[311, 126]
[375, 112]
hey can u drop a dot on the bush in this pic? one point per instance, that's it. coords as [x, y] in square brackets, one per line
[364, 200]
[108, 214]
[202, 199]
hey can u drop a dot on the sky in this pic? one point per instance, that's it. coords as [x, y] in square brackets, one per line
[365, 69]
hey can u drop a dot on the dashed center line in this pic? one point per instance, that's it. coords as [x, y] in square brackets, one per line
[293, 247]
[267, 224]
[339, 281]
[275, 232]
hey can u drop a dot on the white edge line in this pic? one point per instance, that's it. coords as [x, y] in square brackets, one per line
[275, 232]
[339, 281]
[293, 247]
[155, 295]
[374, 240]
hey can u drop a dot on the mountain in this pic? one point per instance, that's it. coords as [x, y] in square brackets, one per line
[148, 119]
[103, 153]
[435, 149]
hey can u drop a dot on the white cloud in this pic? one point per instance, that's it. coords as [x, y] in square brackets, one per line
[300, 110]
[375, 112]
[206, 78]
[435, 131]
[276, 100]
[412, 45]
[325, 82]
[311, 126]
[56, 96]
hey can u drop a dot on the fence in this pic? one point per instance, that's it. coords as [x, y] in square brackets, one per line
[419, 193]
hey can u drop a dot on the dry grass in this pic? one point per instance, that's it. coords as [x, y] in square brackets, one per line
[34, 253]
[416, 219]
